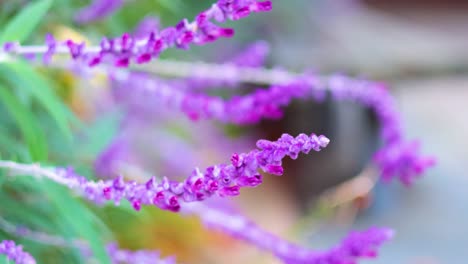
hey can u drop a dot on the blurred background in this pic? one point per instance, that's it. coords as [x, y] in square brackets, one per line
[418, 47]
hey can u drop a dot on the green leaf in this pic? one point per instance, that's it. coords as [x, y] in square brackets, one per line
[173, 6]
[19, 28]
[24, 77]
[26, 122]
[79, 219]
[8, 144]
[53, 209]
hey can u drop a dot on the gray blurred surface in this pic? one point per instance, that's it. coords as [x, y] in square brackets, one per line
[430, 218]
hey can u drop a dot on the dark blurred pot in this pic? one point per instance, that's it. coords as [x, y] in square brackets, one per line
[352, 131]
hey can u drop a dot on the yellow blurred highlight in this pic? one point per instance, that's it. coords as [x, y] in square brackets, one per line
[79, 96]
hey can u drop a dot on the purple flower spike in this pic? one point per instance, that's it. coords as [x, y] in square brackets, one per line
[217, 180]
[201, 185]
[142, 48]
[357, 245]
[15, 253]
[248, 109]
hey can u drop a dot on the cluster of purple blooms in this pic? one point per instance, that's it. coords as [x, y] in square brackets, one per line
[122, 51]
[15, 253]
[396, 158]
[221, 180]
[354, 246]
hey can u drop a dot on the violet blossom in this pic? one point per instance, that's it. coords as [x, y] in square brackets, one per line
[357, 245]
[15, 253]
[247, 109]
[126, 49]
[220, 180]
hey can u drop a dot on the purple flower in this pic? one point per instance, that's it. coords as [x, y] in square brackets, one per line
[219, 180]
[246, 109]
[75, 49]
[51, 46]
[357, 245]
[15, 253]
[403, 160]
[9, 46]
[222, 180]
[141, 49]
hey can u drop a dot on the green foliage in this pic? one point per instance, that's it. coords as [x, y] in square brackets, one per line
[35, 121]
[79, 221]
[27, 124]
[52, 209]
[21, 26]
[34, 85]
[30, 102]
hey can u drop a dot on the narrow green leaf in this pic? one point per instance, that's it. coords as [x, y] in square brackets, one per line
[20, 74]
[26, 122]
[78, 217]
[19, 28]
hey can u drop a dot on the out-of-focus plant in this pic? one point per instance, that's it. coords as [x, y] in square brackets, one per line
[38, 127]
